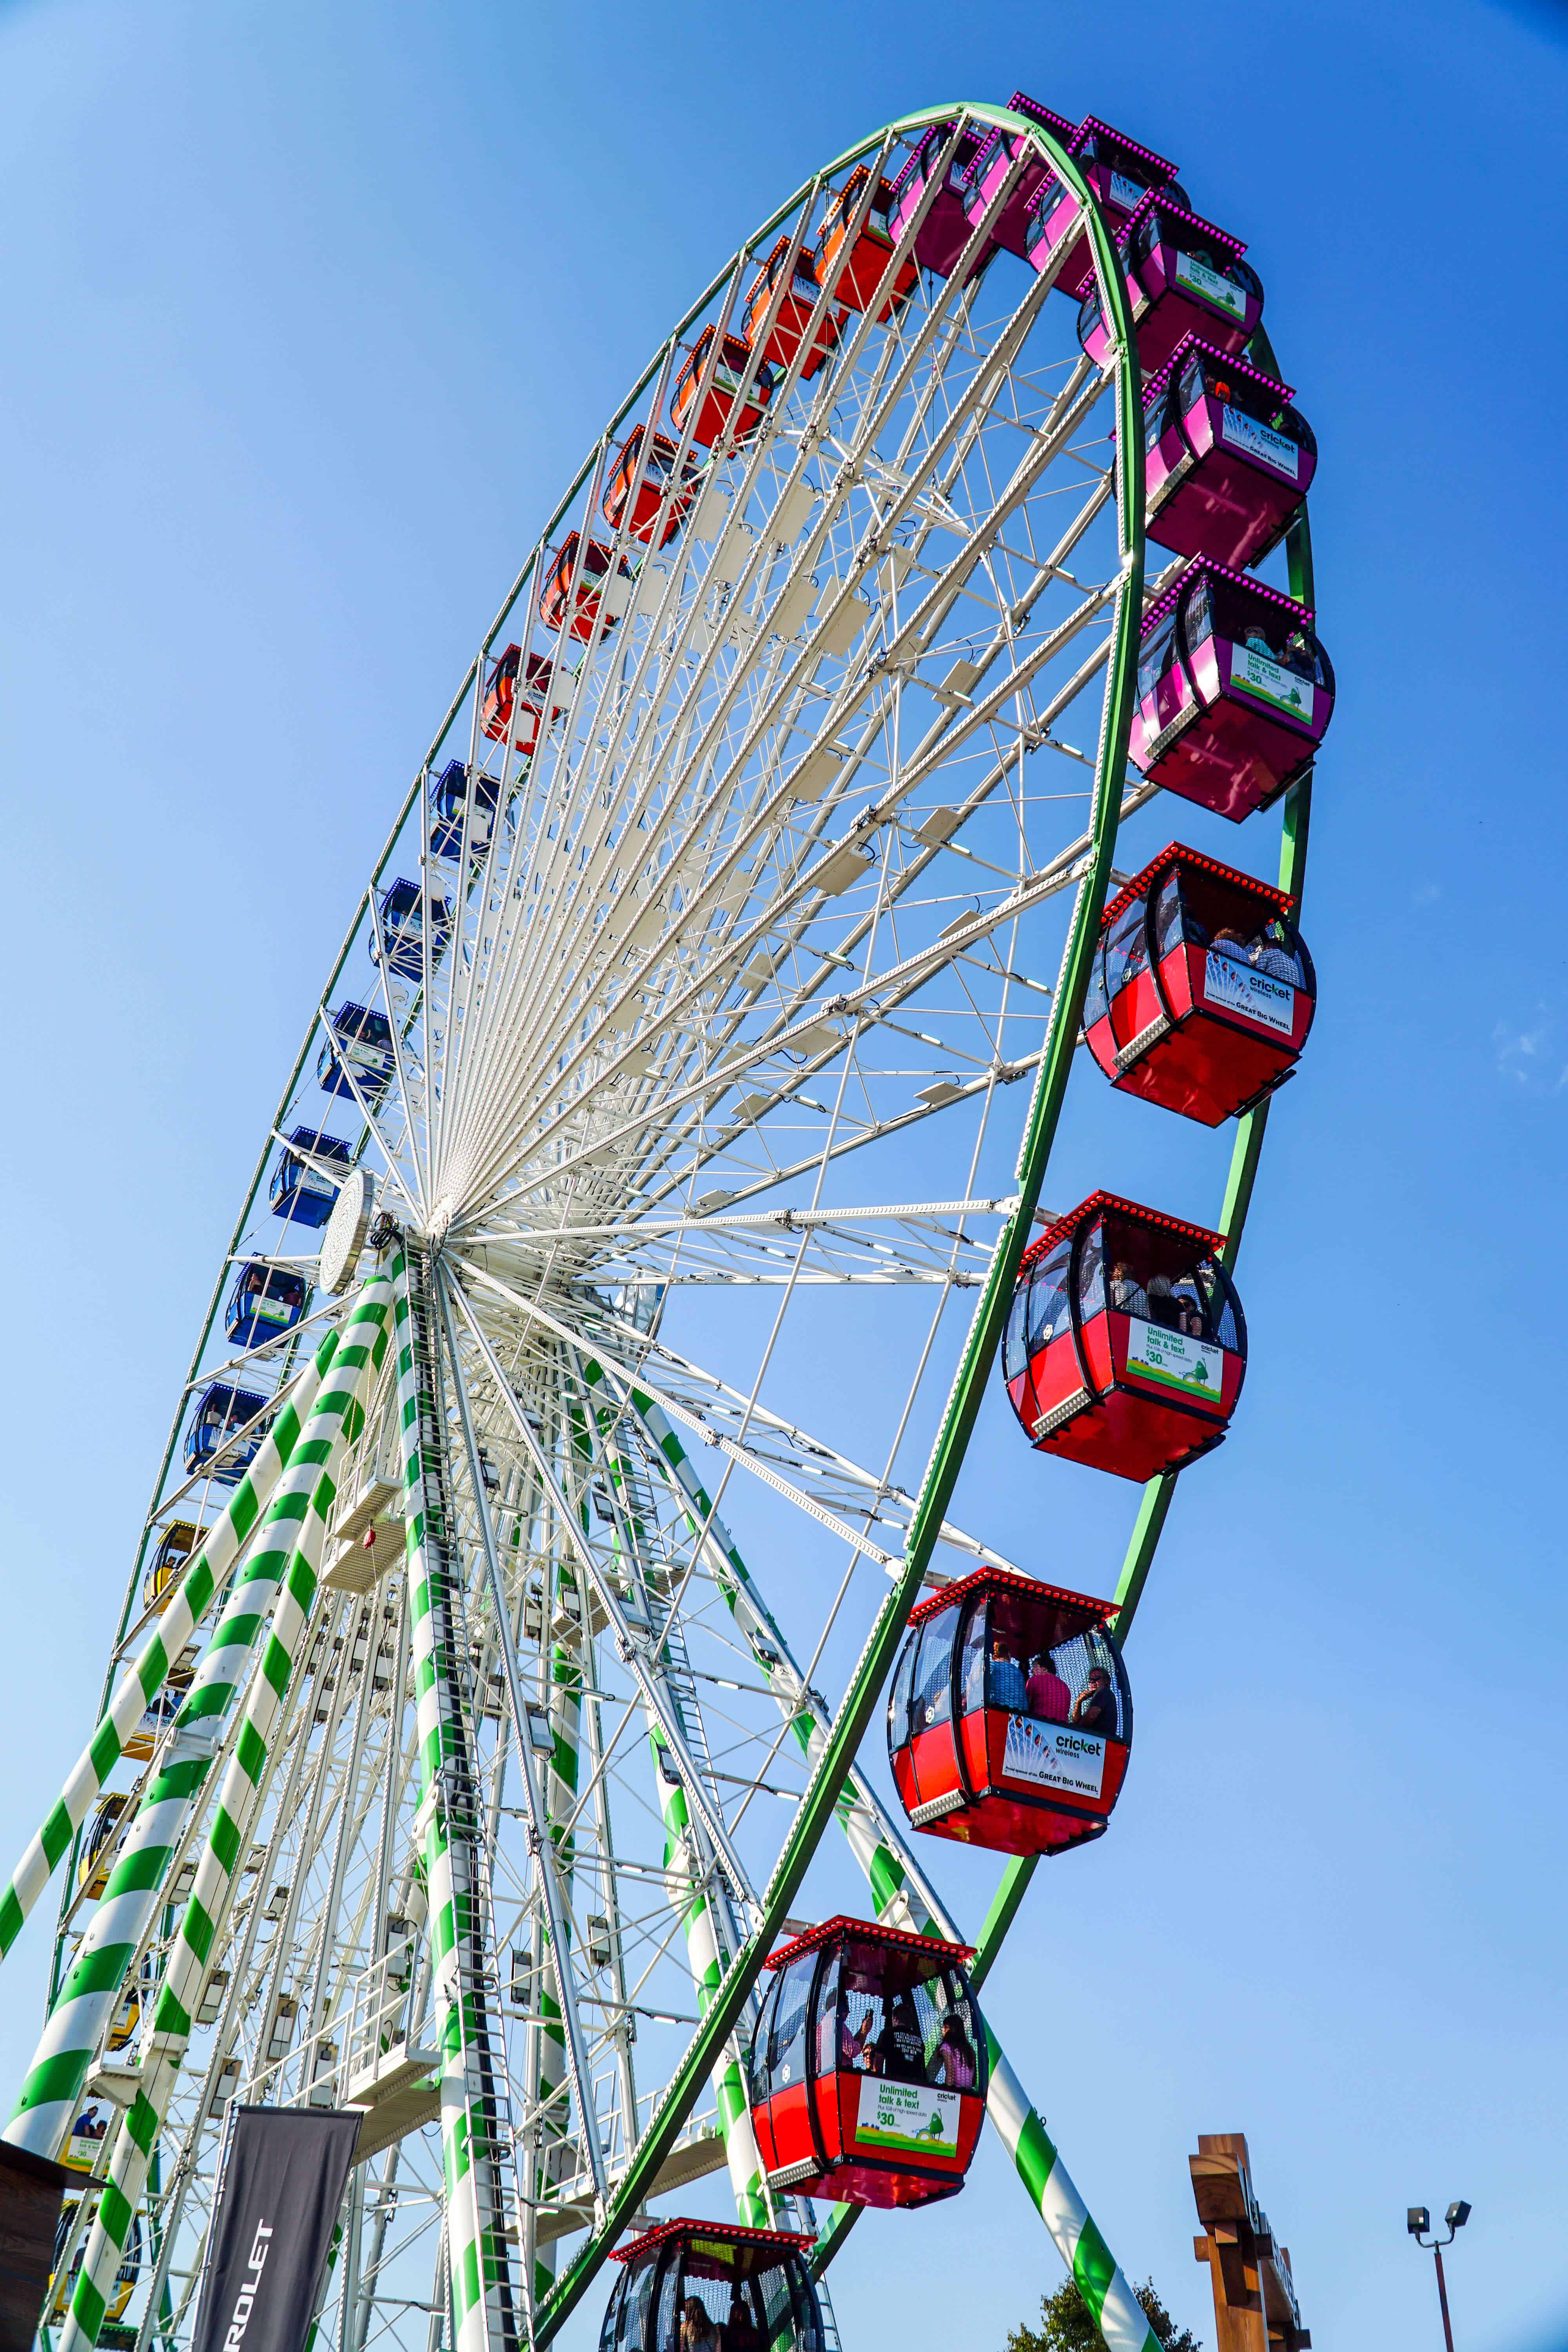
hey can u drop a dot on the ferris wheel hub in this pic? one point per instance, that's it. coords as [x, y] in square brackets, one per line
[347, 1227]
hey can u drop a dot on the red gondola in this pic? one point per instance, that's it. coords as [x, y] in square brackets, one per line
[869, 2067]
[1201, 992]
[1126, 1346]
[1227, 460]
[1010, 1719]
[856, 268]
[500, 690]
[752, 2283]
[788, 331]
[1235, 693]
[1185, 278]
[657, 477]
[722, 399]
[599, 583]
[1121, 175]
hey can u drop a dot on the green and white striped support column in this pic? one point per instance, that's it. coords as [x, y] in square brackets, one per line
[92, 1988]
[446, 1818]
[188, 1604]
[682, 1882]
[560, 1805]
[163, 2050]
[683, 1885]
[898, 1893]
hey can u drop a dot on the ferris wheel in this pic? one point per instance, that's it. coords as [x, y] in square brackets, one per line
[497, 1715]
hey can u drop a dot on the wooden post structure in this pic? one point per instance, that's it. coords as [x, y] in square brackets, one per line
[1255, 2305]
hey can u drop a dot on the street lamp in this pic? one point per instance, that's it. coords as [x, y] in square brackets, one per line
[1418, 2221]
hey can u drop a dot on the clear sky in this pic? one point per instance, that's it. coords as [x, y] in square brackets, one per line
[308, 315]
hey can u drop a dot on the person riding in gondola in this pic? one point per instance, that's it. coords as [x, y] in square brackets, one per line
[741, 2331]
[1050, 1700]
[1006, 1675]
[1094, 1709]
[955, 2058]
[698, 2333]
[1128, 1294]
[853, 2046]
[899, 2050]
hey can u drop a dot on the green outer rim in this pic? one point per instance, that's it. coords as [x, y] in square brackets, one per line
[1244, 1159]
[1158, 1493]
[823, 1791]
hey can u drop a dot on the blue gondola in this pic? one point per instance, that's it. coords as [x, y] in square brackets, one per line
[362, 1039]
[301, 1194]
[265, 1301]
[448, 798]
[403, 926]
[219, 1409]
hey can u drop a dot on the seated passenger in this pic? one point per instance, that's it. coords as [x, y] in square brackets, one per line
[954, 2058]
[1128, 1294]
[1094, 1709]
[1188, 1309]
[1271, 955]
[1048, 1696]
[1230, 942]
[1006, 1675]
[899, 2049]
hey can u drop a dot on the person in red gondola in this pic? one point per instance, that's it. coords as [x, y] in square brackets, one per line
[1050, 1700]
[899, 2050]
[1006, 1675]
[698, 2333]
[1128, 1294]
[954, 2058]
[741, 2331]
[1094, 1709]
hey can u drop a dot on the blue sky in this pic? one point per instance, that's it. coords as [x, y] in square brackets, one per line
[309, 315]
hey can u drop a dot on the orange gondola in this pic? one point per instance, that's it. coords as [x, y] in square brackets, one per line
[500, 692]
[599, 582]
[658, 475]
[790, 326]
[854, 267]
[1010, 1720]
[721, 408]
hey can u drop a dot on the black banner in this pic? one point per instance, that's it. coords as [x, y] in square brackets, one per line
[281, 2185]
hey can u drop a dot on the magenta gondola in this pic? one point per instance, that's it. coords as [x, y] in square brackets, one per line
[1201, 992]
[994, 161]
[1185, 278]
[1227, 461]
[945, 230]
[1235, 693]
[1123, 175]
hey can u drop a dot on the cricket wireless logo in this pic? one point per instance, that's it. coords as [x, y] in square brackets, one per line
[246, 2298]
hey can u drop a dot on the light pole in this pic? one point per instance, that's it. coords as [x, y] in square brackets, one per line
[1417, 2221]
